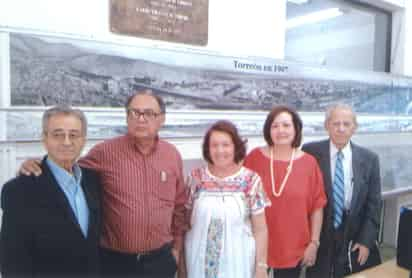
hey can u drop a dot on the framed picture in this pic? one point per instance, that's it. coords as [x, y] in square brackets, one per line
[200, 88]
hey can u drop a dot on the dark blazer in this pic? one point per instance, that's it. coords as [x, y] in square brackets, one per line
[363, 219]
[40, 236]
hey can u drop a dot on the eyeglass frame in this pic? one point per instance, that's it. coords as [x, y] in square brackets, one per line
[61, 136]
[148, 114]
[339, 124]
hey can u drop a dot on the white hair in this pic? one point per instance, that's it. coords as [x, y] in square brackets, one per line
[342, 106]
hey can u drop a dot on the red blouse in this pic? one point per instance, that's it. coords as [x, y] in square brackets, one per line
[288, 219]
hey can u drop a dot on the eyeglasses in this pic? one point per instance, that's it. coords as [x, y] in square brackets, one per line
[337, 125]
[61, 136]
[148, 114]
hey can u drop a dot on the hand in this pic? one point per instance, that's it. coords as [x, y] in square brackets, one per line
[261, 272]
[363, 253]
[309, 256]
[176, 255]
[181, 272]
[181, 266]
[30, 166]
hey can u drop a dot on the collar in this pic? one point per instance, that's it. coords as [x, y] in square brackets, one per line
[133, 142]
[63, 177]
[346, 151]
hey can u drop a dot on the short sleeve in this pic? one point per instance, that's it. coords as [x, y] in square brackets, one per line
[318, 189]
[256, 196]
[250, 160]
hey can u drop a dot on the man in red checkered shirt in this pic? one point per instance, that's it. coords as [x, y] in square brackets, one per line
[143, 194]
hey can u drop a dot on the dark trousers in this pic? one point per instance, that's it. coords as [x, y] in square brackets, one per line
[293, 272]
[158, 263]
[329, 262]
[340, 264]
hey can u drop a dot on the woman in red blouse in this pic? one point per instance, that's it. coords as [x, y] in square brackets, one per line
[294, 184]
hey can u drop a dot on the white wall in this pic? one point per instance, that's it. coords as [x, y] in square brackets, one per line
[402, 41]
[401, 50]
[236, 28]
[407, 59]
[398, 42]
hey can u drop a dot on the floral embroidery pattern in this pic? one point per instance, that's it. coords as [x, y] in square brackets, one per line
[246, 181]
[213, 248]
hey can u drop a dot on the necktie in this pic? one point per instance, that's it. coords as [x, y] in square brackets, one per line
[338, 191]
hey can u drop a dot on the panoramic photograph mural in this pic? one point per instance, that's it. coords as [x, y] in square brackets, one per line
[199, 88]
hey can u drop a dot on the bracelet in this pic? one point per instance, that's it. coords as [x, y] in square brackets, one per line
[316, 242]
[262, 264]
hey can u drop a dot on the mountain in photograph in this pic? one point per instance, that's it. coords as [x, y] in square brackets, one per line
[46, 73]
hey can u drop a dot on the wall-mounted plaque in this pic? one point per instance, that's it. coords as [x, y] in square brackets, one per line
[182, 21]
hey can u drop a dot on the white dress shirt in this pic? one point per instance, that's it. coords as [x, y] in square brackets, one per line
[347, 169]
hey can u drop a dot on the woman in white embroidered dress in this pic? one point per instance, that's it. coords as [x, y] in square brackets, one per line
[228, 235]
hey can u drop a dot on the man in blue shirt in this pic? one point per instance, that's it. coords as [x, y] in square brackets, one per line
[51, 223]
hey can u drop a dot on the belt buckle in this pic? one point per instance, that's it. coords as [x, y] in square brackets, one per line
[139, 256]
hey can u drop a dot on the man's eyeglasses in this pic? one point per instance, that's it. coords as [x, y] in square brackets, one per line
[337, 125]
[61, 136]
[148, 114]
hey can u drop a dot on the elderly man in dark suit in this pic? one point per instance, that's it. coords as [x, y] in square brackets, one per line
[352, 183]
[51, 223]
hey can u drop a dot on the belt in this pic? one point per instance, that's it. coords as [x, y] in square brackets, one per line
[152, 253]
[140, 255]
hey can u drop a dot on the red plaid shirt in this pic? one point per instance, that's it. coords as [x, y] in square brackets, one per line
[143, 196]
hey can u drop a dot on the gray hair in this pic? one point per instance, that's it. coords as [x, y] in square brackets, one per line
[147, 92]
[67, 111]
[342, 106]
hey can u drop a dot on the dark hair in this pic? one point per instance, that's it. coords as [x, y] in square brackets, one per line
[230, 129]
[147, 92]
[297, 123]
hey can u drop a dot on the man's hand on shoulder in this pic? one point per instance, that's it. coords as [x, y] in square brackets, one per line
[30, 167]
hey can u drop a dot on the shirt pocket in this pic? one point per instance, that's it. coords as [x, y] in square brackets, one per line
[165, 185]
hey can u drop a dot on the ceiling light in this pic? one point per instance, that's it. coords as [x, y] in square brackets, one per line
[298, 2]
[314, 17]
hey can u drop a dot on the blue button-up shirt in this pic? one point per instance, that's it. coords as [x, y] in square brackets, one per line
[70, 184]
